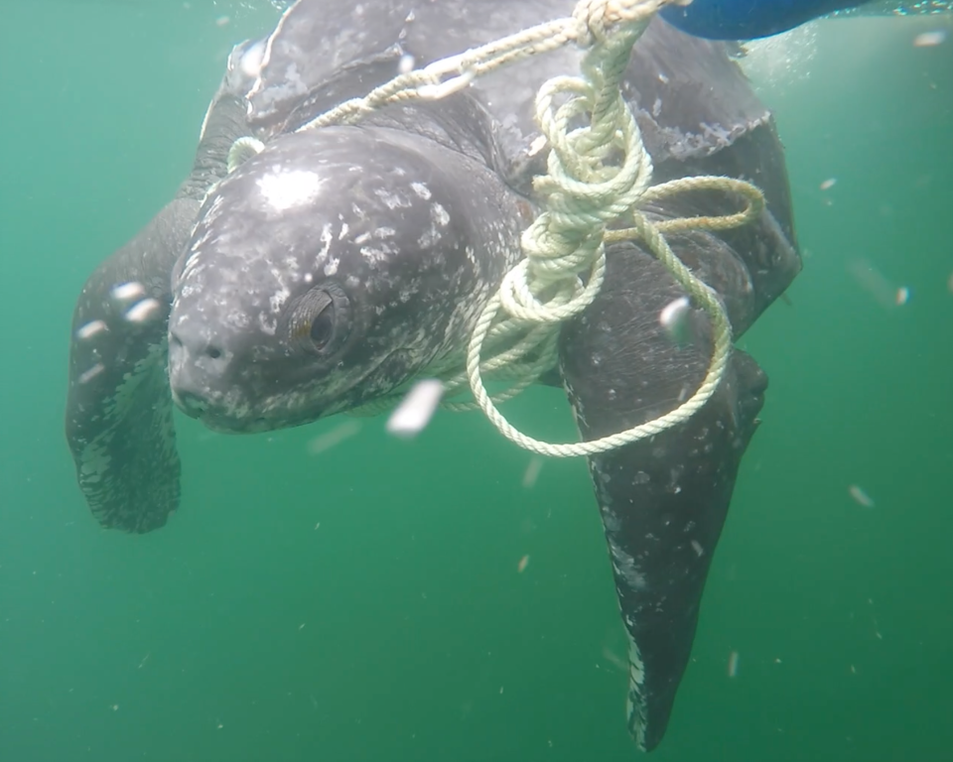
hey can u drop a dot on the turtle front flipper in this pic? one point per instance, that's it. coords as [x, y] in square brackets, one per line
[119, 422]
[119, 407]
[663, 500]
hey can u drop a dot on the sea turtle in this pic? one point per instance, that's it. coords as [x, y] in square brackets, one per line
[339, 262]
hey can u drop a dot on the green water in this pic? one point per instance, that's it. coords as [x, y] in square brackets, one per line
[365, 603]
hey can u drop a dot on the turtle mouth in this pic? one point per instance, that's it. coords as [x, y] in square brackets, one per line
[218, 419]
[231, 426]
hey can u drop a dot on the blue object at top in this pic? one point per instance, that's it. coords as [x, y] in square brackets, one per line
[749, 19]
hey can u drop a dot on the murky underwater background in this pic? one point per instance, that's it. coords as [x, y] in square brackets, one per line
[364, 601]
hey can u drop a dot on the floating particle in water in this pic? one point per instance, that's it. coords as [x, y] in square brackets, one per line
[929, 39]
[696, 546]
[874, 282]
[91, 329]
[251, 62]
[860, 497]
[143, 311]
[90, 374]
[828, 183]
[521, 566]
[406, 64]
[223, 21]
[949, 283]
[416, 409]
[903, 296]
[531, 474]
[615, 660]
[128, 291]
[733, 664]
[334, 437]
[674, 319]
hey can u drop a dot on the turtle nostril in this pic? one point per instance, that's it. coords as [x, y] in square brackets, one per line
[195, 344]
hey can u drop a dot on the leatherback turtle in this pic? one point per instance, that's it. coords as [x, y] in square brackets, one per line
[337, 263]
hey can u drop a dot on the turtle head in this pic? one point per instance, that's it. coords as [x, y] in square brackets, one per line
[322, 273]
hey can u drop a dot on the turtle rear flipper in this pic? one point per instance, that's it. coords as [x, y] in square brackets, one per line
[663, 501]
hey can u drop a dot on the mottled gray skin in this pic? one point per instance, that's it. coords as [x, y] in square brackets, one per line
[339, 263]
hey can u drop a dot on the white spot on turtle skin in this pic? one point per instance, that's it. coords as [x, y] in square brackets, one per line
[267, 323]
[284, 190]
[421, 190]
[439, 214]
[538, 144]
[392, 200]
[636, 709]
[277, 299]
[373, 254]
[428, 239]
[626, 567]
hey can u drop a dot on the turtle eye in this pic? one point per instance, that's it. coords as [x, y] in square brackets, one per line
[319, 320]
[322, 327]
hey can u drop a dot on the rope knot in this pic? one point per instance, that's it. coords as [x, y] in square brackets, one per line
[590, 17]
